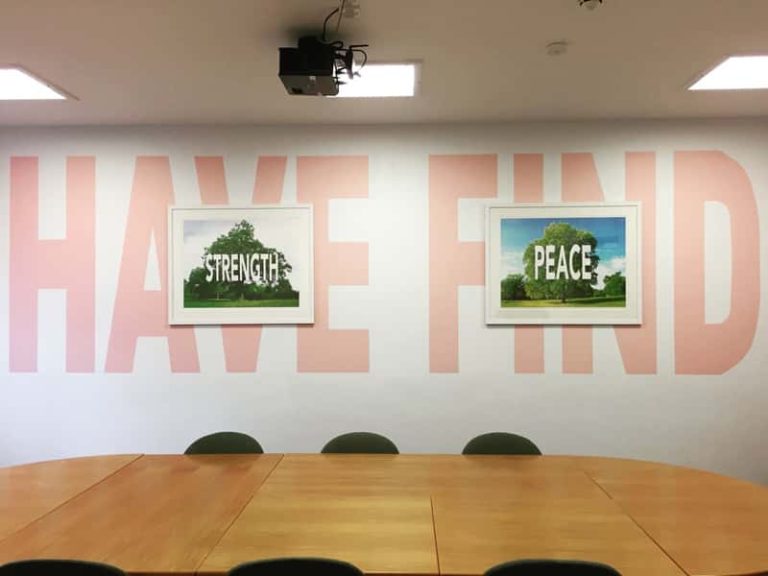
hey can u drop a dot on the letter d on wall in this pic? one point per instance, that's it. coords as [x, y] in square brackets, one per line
[702, 348]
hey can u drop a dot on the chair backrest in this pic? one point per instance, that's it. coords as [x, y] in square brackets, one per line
[551, 568]
[45, 567]
[296, 567]
[501, 443]
[225, 443]
[360, 443]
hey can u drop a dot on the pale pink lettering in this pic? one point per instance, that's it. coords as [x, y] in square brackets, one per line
[140, 312]
[319, 179]
[453, 263]
[67, 264]
[702, 348]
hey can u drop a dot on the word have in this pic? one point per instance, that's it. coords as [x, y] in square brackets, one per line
[544, 256]
[245, 268]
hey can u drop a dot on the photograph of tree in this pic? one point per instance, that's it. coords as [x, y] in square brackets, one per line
[235, 269]
[241, 265]
[563, 262]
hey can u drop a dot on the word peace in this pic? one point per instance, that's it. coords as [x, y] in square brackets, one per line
[544, 256]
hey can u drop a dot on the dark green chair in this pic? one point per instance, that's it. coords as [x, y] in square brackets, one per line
[551, 568]
[296, 567]
[225, 443]
[501, 443]
[360, 443]
[46, 567]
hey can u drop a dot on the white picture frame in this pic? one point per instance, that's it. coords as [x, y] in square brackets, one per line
[241, 265]
[551, 275]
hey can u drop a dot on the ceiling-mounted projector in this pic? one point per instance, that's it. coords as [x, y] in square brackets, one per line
[310, 69]
[313, 68]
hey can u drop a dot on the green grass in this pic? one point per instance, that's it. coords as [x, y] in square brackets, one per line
[594, 302]
[282, 303]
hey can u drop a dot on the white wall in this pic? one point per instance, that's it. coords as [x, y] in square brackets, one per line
[711, 421]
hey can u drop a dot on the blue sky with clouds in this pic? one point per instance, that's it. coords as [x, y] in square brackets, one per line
[610, 232]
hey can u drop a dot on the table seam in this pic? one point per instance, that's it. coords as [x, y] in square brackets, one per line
[636, 523]
[240, 513]
[434, 534]
[71, 498]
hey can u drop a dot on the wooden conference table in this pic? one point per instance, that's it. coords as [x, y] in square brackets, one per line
[390, 515]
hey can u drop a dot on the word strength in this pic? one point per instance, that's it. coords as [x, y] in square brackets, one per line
[563, 267]
[246, 268]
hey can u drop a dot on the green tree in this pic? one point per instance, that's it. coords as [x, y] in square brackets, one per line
[615, 285]
[513, 287]
[198, 287]
[563, 236]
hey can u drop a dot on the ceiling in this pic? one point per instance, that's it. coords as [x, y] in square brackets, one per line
[215, 61]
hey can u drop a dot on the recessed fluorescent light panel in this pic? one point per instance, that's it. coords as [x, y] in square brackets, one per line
[17, 84]
[736, 73]
[381, 81]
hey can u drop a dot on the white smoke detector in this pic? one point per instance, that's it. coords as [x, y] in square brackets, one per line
[590, 4]
[557, 48]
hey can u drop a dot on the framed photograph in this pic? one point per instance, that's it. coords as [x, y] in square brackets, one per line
[563, 264]
[249, 265]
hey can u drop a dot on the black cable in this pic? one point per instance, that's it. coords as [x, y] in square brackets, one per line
[365, 56]
[339, 51]
[359, 48]
[325, 22]
[341, 14]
